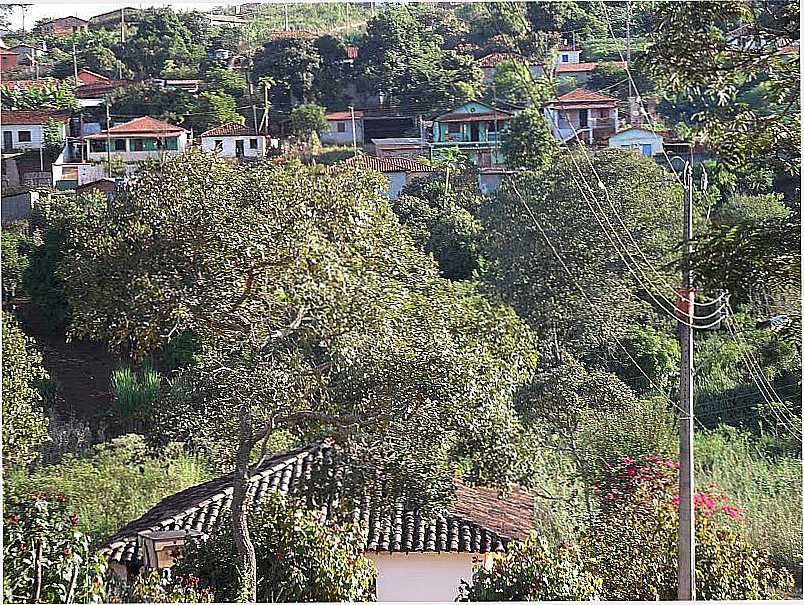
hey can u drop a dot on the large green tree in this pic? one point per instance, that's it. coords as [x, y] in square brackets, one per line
[317, 314]
[528, 143]
[698, 51]
[295, 65]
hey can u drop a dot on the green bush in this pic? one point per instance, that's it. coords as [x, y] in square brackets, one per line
[24, 420]
[298, 558]
[114, 484]
[134, 394]
[532, 571]
[153, 587]
[41, 538]
[16, 247]
[633, 542]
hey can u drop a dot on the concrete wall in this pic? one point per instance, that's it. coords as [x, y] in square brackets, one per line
[635, 139]
[18, 207]
[85, 172]
[228, 146]
[418, 577]
[333, 137]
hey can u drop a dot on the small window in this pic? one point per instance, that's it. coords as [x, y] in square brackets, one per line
[218, 145]
[341, 126]
[492, 127]
[565, 58]
[136, 144]
[119, 144]
[24, 136]
[96, 145]
[172, 143]
[5, 60]
[252, 143]
[453, 127]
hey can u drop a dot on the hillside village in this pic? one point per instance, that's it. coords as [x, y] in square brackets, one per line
[387, 301]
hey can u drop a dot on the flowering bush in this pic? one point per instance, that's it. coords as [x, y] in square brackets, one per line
[153, 587]
[298, 558]
[633, 542]
[46, 558]
[532, 571]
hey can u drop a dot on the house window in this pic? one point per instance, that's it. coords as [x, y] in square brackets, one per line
[453, 127]
[252, 143]
[219, 145]
[97, 146]
[137, 145]
[565, 58]
[172, 143]
[119, 144]
[24, 136]
[647, 149]
[5, 60]
[341, 126]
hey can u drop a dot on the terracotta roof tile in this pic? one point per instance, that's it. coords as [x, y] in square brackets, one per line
[585, 67]
[232, 129]
[581, 95]
[342, 115]
[143, 125]
[477, 522]
[29, 84]
[494, 59]
[33, 118]
[389, 164]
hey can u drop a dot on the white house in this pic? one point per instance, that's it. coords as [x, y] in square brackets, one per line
[644, 140]
[417, 558]
[398, 171]
[234, 140]
[340, 128]
[23, 130]
[589, 115]
[140, 139]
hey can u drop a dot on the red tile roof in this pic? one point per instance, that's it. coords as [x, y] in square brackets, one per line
[389, 164]
[584, 67]
[581, 96]
[494, 59]
[34, 118]
[342, 115]
[293, 34]
[99, 89]
[143, 125]
[28, 84]
[352, 52]
[232, 129]
[92, 77]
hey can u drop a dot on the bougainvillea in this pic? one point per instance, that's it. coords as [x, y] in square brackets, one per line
[46, 558]
[532, 571]
[632, 544]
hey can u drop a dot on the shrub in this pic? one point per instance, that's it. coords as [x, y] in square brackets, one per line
[306, 120]
[134, 393]
[532, 571]
[153, 587]
[16, 247]
[633, 542]
[298, 558]
[24, 420]
[114, 484]
[41, 539]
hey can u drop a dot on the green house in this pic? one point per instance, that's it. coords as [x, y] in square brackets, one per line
[476, 129]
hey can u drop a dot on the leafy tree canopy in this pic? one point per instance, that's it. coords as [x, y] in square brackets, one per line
[528, 144]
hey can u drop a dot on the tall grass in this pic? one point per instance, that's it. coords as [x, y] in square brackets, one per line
[768, 487]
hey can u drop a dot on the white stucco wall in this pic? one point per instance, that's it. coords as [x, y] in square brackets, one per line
[635, 139]
[228, 146]
[37, 135]
[572, 56]
[333, 137]
[421, 577]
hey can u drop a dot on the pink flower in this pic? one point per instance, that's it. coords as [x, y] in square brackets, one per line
[733, 512]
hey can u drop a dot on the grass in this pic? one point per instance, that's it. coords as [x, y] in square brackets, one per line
[768, 487]
[113, 484]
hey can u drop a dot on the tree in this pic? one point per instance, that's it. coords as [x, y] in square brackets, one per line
[633, 542]
[296, 300]
[299, 558]
[48, 94]
[46, 558]
[532, 571]
[224, 81]
[178, 107]
[528, 143]
[752, 209]
[54, 141]
[221, 107]
[564, 16]
[403, 56]
[24, 420]
[161, 35]
[295, 65]
[306, 120]
[16, 248]
[524, 269]
[698, 53]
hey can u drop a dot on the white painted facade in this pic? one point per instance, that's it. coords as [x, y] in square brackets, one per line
[340, 132]
[646, 142]
[26, 136]
[417, 577]
[130, 156]
[568, 56]
[235, 146]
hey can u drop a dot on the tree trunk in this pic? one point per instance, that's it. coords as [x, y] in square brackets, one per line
[245, 548]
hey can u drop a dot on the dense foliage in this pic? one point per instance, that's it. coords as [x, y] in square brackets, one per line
[299, 559]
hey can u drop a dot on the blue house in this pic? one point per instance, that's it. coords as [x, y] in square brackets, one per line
[474, 128]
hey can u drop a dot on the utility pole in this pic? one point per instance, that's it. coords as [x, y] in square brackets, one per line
[108, 141]
[75, 66]
[354, 130]
[286, 17]
[122, 25]
[686, 471]
[628, 39]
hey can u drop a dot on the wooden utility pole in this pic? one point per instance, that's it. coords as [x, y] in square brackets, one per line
[108, 141]
[686, 471]
[354, 130]
[122, 25]
[75, 66]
